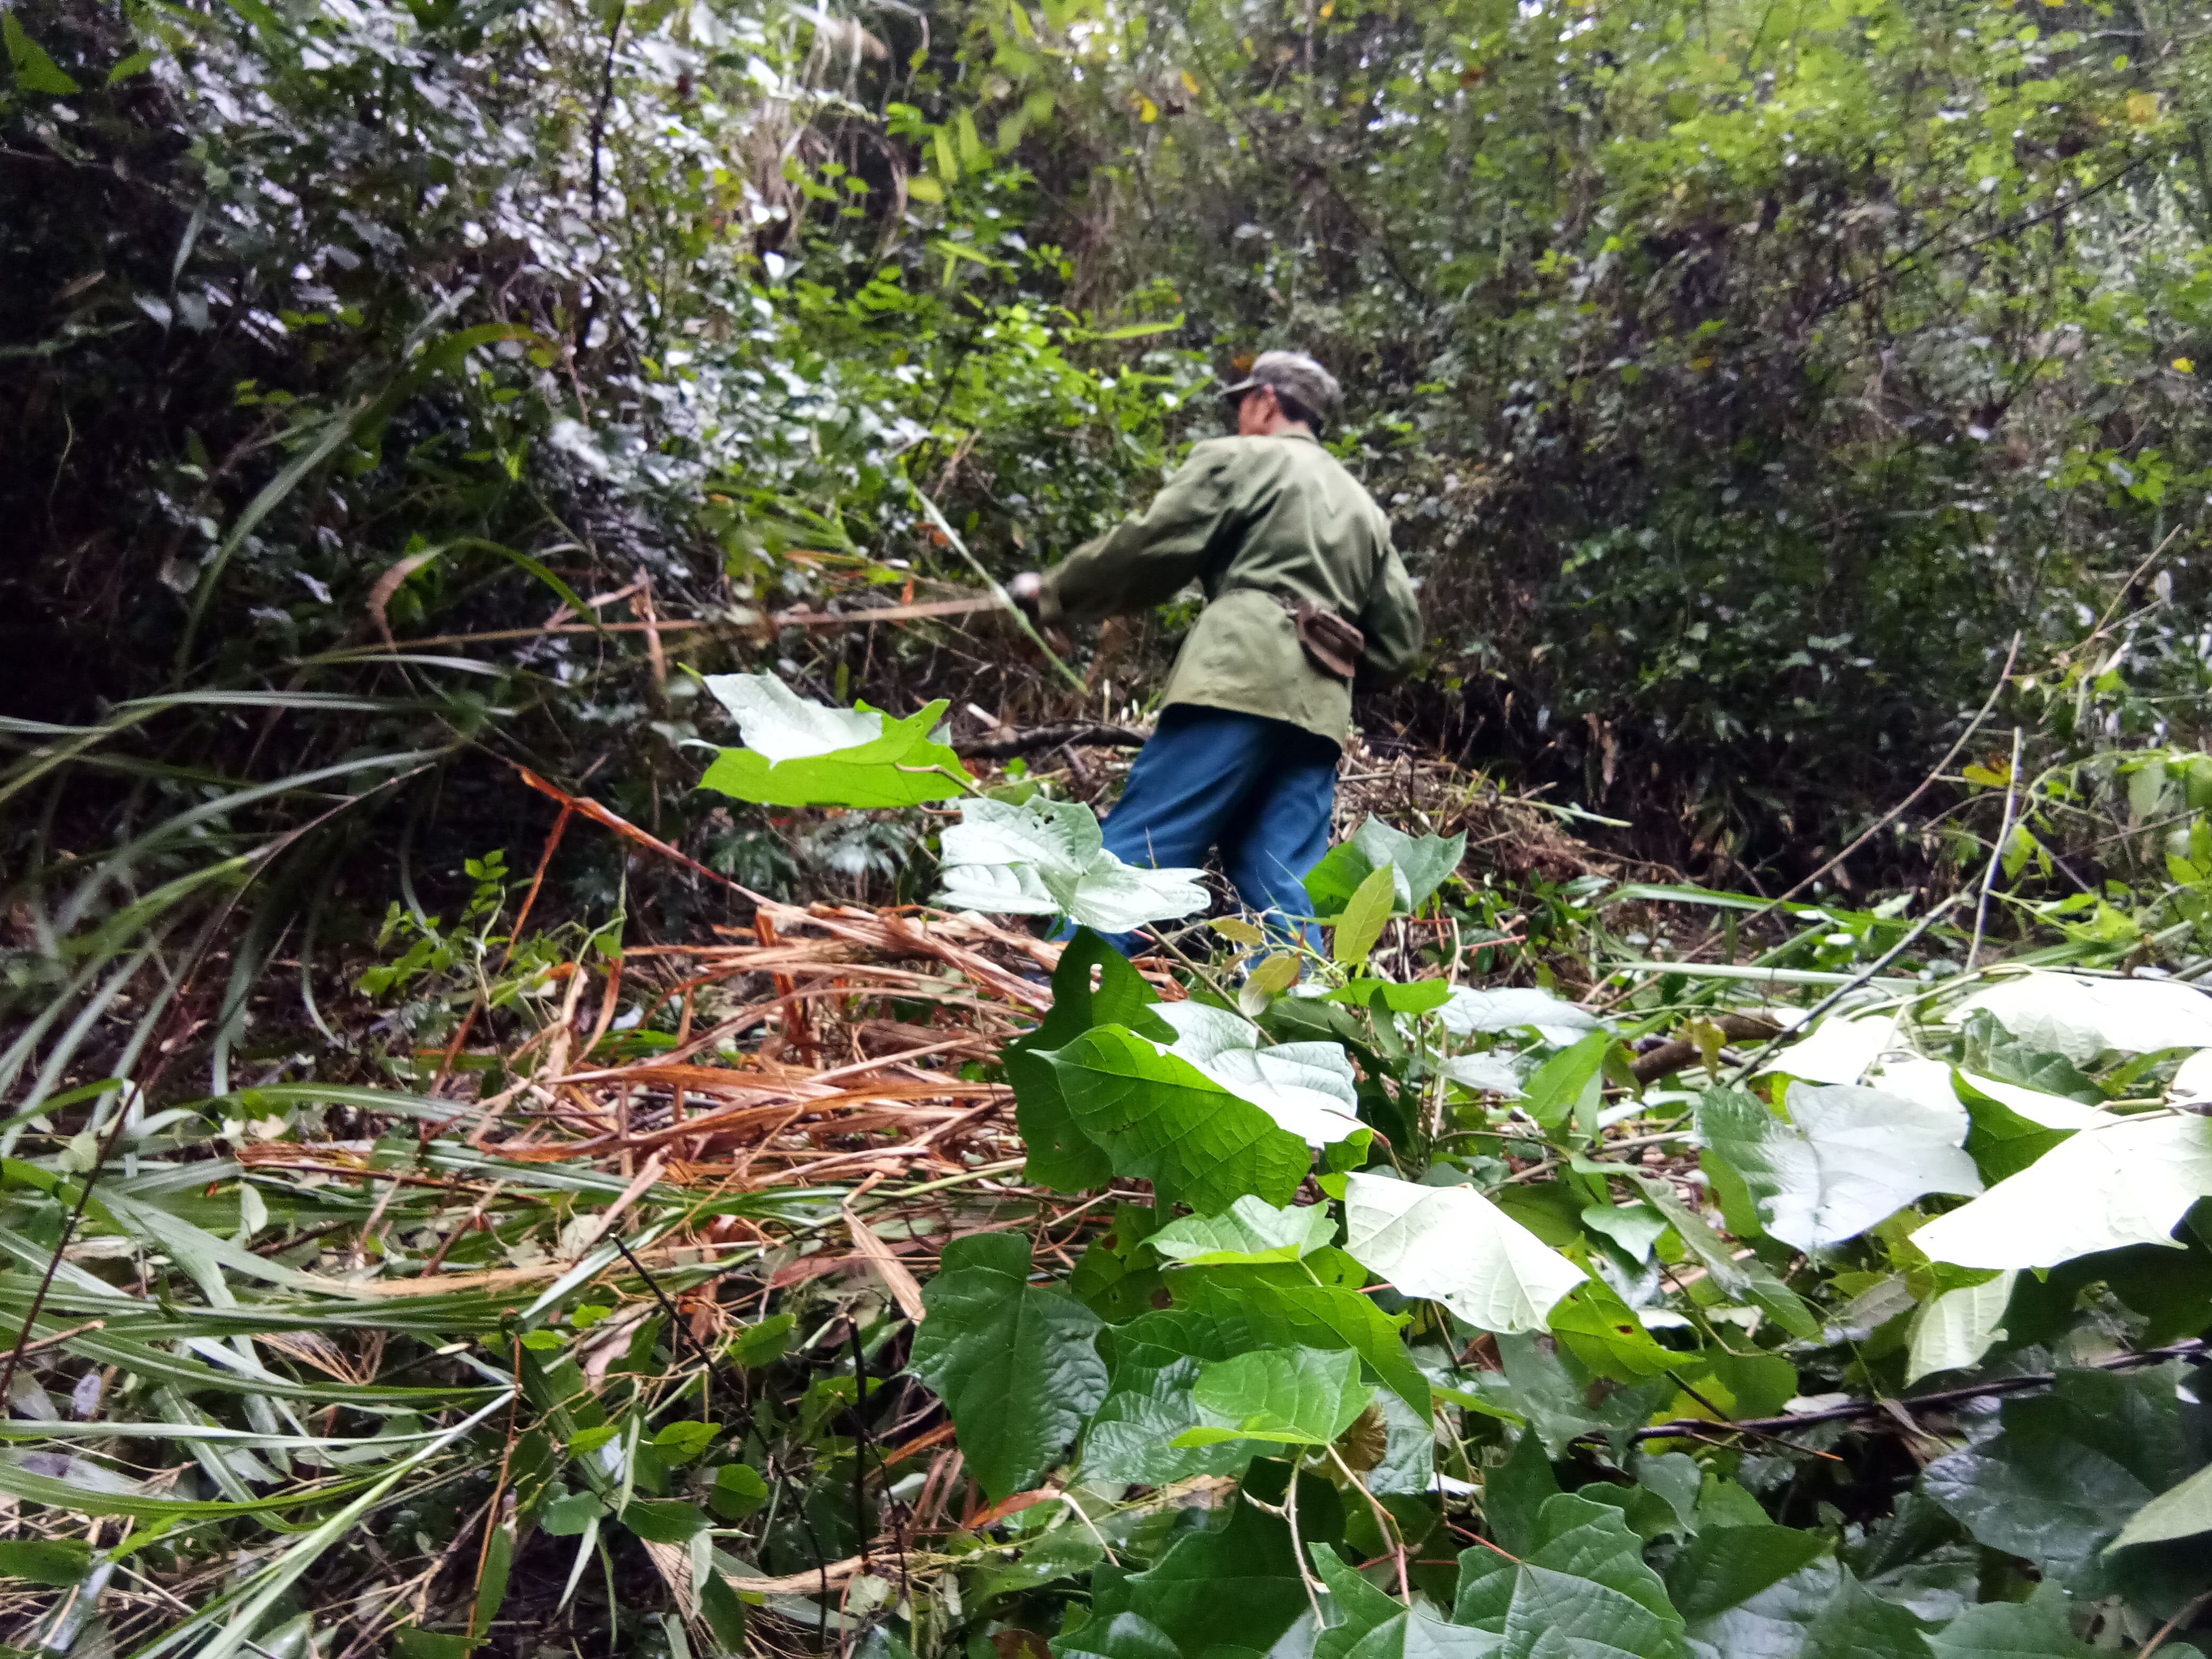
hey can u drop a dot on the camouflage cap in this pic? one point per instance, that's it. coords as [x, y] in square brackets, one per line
[1294, 375]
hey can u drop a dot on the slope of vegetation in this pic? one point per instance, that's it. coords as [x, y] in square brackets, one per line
[465, 1186]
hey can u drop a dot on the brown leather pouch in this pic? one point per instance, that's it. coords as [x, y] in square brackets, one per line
[1333, 644]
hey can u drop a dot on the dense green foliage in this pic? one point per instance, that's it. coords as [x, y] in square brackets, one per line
[1751, 387]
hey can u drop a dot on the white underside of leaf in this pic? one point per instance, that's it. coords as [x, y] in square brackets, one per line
[1956, 1330]
[1000, 888]
[1042, 857]
[1857, 1156]
[1838, 1050]
[777, 723]
[1492, 1074]
[2082, 1018]
[1452, 1245]
[1508, 1010]
[1308, 1088]
[2102, 1189]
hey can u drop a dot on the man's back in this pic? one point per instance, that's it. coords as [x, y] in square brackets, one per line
[1262, 523]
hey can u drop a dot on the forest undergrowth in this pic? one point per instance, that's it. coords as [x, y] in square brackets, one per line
[539, 1118]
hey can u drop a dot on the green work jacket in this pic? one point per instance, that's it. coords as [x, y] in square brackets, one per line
[1255, 521]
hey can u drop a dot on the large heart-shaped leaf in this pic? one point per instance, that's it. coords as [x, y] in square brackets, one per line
[1159, 1118]
[1291, 1397]
[1848, 1158]
[1148, 1403]
[1251, 1232]
[800, 753]
[2128, 1183]
[1958, 1328]
[1583, 1590]
[2082, 1017]
[1308, 1088]
[1015, 1364]
[1234, 1587]
[1453, 1245]
[2069, 1469]
[1042, 857]
[2038, 1628]
[1418, 866]
[1312, 1304]
[1061, 1155]
[1513, 1007]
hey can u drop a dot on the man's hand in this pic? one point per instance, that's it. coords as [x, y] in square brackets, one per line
[1024, 591]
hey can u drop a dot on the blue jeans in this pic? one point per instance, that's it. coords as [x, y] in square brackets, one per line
[1260, 790]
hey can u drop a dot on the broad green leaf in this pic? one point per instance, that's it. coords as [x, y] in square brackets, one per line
[1722, 1567]
[1515, 1493]
[1420, 997]
[1148, 1403]
[1118, 1276]
[1857, 1624]
[2041, 1488]
[1607, 1336]
[1419, 865]
[1583, 1589]
[2183, 1512]
[1415, 1634]
[1310, 1088]
[2038, 1628]
[1046, 857]
[2012, 1125]
[2103, 1189]
[1452, 1245]
[1365, 914]
[1293, 1397]
[568, 1516]
[1015, 1364]
[738, 1491]
[1635, 1227]
[665, 1521]
[1356, 1605]
[1561, 1399]
[1819, 1611]
[58, 1562]
[35, 71]
[1123, 1636]
[1235, 1585]
[1847, 1158]
[799, 753]
[1061, 1156]
[1312, 1304]
[2084, 1018]
[1569, 1085]
[1159, 1118]
[1267, 981]
[1958, 1328]
[1513, 1008]
[1251, 1232]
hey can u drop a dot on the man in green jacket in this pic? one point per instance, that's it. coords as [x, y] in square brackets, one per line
[1304, 595]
